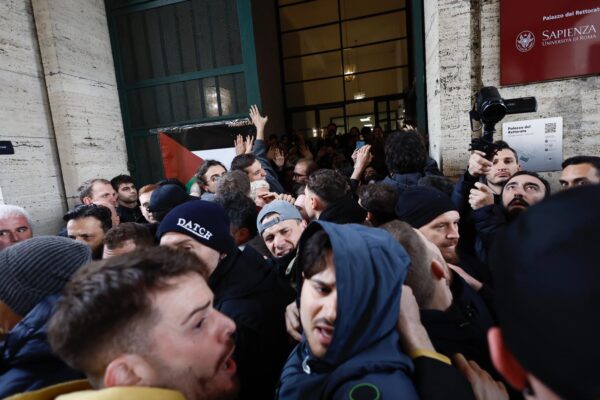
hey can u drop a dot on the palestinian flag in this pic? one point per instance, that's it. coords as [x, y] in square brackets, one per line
[184, 148]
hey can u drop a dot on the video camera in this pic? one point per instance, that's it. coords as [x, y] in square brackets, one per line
[488, 110]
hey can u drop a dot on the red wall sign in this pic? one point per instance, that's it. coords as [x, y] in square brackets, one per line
[542, 39]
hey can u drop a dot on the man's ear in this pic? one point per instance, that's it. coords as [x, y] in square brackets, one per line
[315, 203]
[369, 216]
[438, 270]
[87, 200]
[129, 370]
[504, 361]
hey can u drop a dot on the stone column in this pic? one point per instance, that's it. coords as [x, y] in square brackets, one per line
[82, 91]
[450, 55]
[30, 177]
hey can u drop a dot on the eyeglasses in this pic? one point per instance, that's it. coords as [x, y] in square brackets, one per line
[295, 175]
[215, 178]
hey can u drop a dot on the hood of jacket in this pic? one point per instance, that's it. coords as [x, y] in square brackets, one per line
[370, 268]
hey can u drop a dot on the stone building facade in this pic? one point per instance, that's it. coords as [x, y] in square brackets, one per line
[59, 103]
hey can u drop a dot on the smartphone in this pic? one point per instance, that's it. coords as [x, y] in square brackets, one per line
[360, 143]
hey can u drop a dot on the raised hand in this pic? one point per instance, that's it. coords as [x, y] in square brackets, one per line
[238, 143]
[248, 143]
[478, 164]
[481, 196]
[259, 121]
[279, 158]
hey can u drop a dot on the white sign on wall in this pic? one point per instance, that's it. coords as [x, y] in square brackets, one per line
[538, 143]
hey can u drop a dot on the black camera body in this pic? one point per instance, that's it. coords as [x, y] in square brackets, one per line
[489, 109]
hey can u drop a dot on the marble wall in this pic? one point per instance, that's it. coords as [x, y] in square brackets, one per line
[462, 40]
[58, 104]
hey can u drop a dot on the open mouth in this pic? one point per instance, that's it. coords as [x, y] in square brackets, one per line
[324, 335]
[229, 365]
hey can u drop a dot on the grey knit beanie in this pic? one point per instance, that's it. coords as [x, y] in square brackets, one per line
[37, 267]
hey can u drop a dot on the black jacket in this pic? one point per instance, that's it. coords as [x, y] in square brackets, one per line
[402, 181]
[470, 245]
[248, 291]
[463, 327]
[344, 211]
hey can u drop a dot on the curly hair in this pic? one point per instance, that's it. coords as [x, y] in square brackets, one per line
[328, 184]
[405, 152]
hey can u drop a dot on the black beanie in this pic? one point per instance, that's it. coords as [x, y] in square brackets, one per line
[547, 291]
[202, 220]
[419, 205]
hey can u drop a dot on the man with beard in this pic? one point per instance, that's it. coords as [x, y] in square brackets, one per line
[431, 212]
[88, 224]
[435, 216]
[143, 325]
[521, 191]
[245, 289]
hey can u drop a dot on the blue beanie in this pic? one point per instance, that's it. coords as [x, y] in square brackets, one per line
[202, 220]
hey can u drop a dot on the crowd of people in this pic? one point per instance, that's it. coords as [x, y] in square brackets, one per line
[348, 267]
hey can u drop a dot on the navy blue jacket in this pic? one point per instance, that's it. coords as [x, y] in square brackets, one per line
[364, 354]
[27, 360]
[402, 181]
[260, 151]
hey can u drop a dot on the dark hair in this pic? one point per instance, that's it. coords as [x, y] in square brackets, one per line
[86, 188]
[200, 172]
[545, 182]
[380, 200]
[119, 180]
[171, 181]
[419, 274]
[576, 160]
[116, 236]
[441, 183]
[107, 306]
[101, 213]
[311, 165]
[328, 184]
[242, 161]
[233, 181]
[502, 145]
[405, 152]
[240, 209]
[312, 253]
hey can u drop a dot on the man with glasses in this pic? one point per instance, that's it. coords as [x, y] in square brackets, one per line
[303, 168]
[207, 177]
